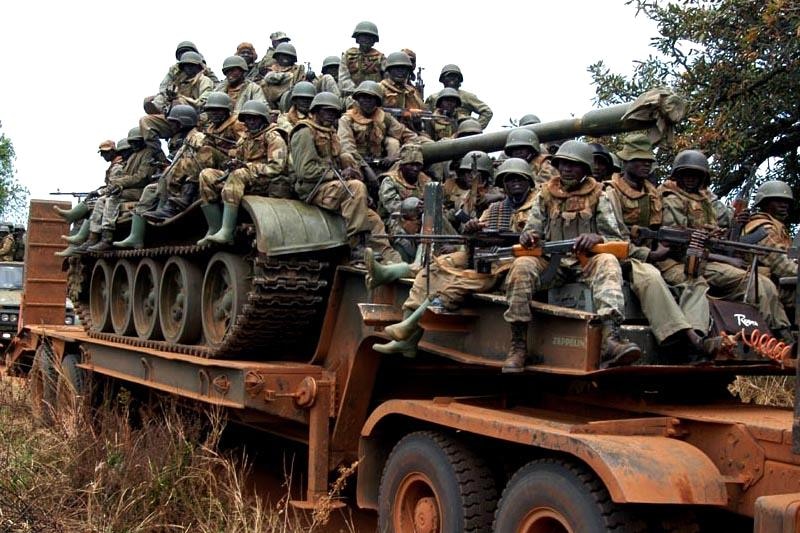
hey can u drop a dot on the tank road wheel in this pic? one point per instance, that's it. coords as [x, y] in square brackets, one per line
[556, 496]
[70, 389]
[432, 484]
[99, 296]
[43, 383]
[121, 304]
[179, 301]
[145, 299]
[225, 286]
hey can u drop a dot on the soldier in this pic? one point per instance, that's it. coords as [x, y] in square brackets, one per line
[636, 201]
[444, 123]
[524, 144]
[302, 95]
[7, 245]
[397, 92]
[266, 62]
[329, 81]
[258, 167]
[283, 74]
[404, 180]
[19, 242]
[603, 168]
[108, 152]
[408, 221]
[144, 162]
[248, 52]
[468, 127]
[369, 133]
[207, 149]
[468, 193]
[570, 206]
[450, 281]
[169, 80]
[361, 63]
[238, 89]
[529, 119]
[774, 200]
[191, 87]
[686, 203]
[327, 176]
[451, 77]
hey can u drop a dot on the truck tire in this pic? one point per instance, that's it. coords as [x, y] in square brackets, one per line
[432, 483]
[70, 391]
[559, 496]
[43, 383]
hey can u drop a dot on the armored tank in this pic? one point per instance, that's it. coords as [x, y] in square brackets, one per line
[264, 296]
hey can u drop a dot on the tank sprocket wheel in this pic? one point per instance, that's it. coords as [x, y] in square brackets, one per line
[226, 284]
[146, 283]
[100, 296]
[121, 305]
[179, 301]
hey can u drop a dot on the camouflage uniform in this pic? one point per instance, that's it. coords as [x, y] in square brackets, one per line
[697, 211]
[262, 67]
[394, 189]
[175, 72]
[542, 170]
[557, 214]
[372, 137]
[316, 156]
[777, 236]
[7, 248]
[326, 83]
[244, 92]
[666, 317]
[469, 104]
[191, 92]
[290, 119]
[357, 66]
[405, 97]
[279, 80]
[264, 173]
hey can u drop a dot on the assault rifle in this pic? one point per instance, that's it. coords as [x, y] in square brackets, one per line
[78, 195]
[419, 85]
[414, 114]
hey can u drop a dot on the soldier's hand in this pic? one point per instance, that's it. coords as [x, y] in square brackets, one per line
[113, 189]
[195, 140]
[742, 217]
[529, 239]
[586, 241]
[659, 254]
[473, 226]
[350, 174]
[171, 94]
[387, 162]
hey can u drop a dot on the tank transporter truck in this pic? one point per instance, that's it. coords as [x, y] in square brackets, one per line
[269, 329]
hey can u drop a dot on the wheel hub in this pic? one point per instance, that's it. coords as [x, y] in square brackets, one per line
[426, 516]
[544, 520]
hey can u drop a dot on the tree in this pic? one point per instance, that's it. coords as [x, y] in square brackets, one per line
[13, 195]
[738, 64]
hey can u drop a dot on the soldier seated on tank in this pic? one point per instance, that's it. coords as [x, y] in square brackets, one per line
[329, 80]
[403, 180]
[7, 243]
[157, 105]
[570, 206]
[257, 166]
[284, 74]
[398, 92]
[248, 52]
[470, 192]
[326, 175]
[300, 101]
[774, 200]
[524, 144]
[603, 168]
[263, 66]
[236, 86]
[450, 280]
[408, 221]
[451, 77]
[361, 63]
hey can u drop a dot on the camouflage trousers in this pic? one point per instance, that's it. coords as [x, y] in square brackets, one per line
[150, 197]
[358, 217]
[449, 281]
[238, 183]
[154, 127]
[106, 210]
[731, 283]
[602, 273]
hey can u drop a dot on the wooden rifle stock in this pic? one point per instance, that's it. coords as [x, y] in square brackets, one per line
[618, 249]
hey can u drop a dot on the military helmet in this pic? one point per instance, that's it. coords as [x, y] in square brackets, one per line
[513, 165]
[576, 151]
[410, 208]
[331, 61]
[521, 137]
[399, 59]
[286, 49]
[468, 126]
[482, 163]
[447, 69]
[123, 144]
[366, 27]
[190, 58]
[693, 159]
[184, 45]
[218, 100]
[304, 89]
[601, 151]
[326, 99]
[529, 119]
[234, 62]
[448, 92]
[256, 108]
[135, 134]
[185, 114]
[773, 189]
[370, 87]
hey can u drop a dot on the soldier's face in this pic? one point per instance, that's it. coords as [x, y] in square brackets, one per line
[284, 60]
[217, 116]
[248, 55]
[302, 104]
[333, 70]
[108, 155]
[234, 75]
[778, 208]
[253, 122]
[572, 173]
[638, 169]
[448, 105]
[365, 41]
[689, 179]
[275, 43]
[600, 169]
[398, 75]
[190, 69]
[411, 225]
[411, 171]
[367, 103]
[452, 80]
[326, 116]
[522, 152]
[516, 186]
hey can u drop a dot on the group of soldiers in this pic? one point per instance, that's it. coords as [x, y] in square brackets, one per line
[351, 141]
[12, 242]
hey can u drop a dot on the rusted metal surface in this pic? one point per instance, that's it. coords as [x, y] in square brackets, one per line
[635, 469]
[777, 514]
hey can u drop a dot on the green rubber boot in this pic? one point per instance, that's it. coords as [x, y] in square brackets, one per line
[405, 329]
[76, 213]
[378, 274]
[69, 251]
[81, 235]
[407, 348]
[213, 219]
[230, 212]
[136, 237]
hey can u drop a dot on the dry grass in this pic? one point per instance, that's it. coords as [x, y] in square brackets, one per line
[765, 390]
[100, 473]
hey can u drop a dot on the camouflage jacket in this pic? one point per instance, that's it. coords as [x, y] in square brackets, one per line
[246, 91]
[315, 156]
[175, 70]
[190, 91]
[503, 216]
[279, 80]
[365, 135]
[7, 248]
[542, 170]
[215, 144]
[114, 168]
[326, 83]
[394, 189]
[265, 153]
[290, 119]
[469, 104]
[634, 207]
[257, 71]
[688, 210]
[774, 234]
[442, 127]
[139, 168]
[357, 66]
[405, 97]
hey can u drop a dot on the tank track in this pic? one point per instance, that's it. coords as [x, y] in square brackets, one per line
[282, 314]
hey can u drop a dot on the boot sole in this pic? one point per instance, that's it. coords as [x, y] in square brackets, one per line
[623, 359]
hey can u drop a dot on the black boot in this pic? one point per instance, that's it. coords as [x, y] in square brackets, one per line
[93, 239]
[175, 205]
[105, 242]
[616, 350]
[515, 361]
[358, 247]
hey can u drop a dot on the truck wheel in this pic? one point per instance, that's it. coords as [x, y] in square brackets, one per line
[145, 299]
[43, 383]
[559, 497]
[121, 305]
[225, 286]
[70, 390]
[99, 296]
[433, 484]
[179, 301]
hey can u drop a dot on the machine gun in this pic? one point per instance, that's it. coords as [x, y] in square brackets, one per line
[79, 195]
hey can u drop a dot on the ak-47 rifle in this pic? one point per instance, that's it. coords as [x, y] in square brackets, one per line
[368, 166]
[78, 195]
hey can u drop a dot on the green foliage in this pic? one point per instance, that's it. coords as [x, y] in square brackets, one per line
[738, 64]
[13, 195]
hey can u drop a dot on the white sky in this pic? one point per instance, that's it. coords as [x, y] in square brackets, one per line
[76, 72]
